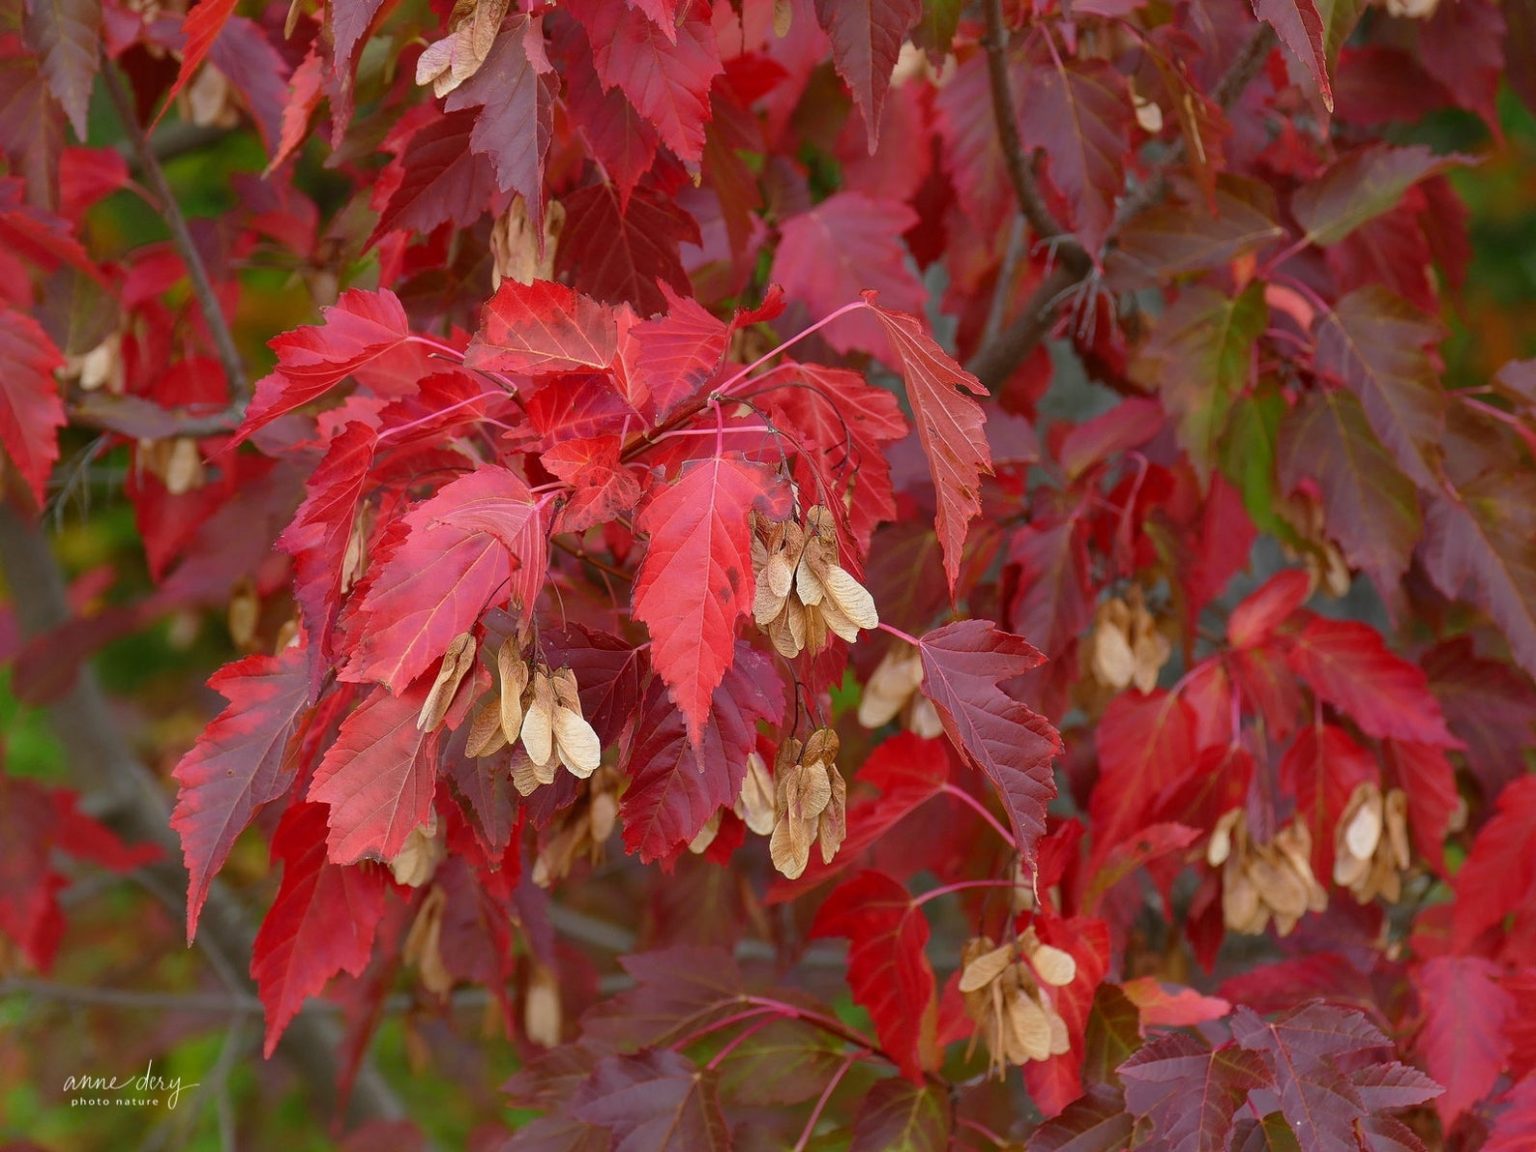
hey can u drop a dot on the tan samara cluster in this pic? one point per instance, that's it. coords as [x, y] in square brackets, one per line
[1371, 844]
[810, 802]
[803, 595]
[542, 708]
[1126, 646]
[1003, 987]
[1260, 882]
[892, 692]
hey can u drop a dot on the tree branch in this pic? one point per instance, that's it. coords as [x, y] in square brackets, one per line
[181, 235]
[1005, 114]
[100, 762]
[1000, 356]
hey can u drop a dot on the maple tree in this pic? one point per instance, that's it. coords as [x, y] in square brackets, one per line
[898, 574]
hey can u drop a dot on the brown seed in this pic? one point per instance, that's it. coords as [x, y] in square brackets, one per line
[485, 735]
[512, 670]
[457, 661]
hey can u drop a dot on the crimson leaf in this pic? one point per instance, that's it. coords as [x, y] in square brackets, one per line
[243, 760]
[888, 969]
[696, 578]
[322, 922]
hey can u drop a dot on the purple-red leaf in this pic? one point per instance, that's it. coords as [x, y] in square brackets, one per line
[950, 426]
[866, 38]
[965, 665]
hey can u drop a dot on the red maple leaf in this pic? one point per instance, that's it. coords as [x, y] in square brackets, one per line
[244, 759]
[322, 922]
[964, 666]
[887, 967]
[950, 426]
[696, 579]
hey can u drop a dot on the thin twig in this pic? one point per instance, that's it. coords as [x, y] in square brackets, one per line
[997, 358]
[1005, 115]
[181, 235]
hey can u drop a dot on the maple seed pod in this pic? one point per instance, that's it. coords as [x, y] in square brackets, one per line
[485, 735]
[539, 719]
[457, 661]
[449, 62]
[706, 835]
[422, 944]
[183, 466]
[891, 685]
[244, 614]
[512, 670]
[1371, 844]
[755, 804]
[542, 1017]
[418, 858]
[1053, 966]
[575, 740]
[983, 965]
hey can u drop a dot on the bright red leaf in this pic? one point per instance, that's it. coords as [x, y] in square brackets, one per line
[378, 778]
[322, 922]
[245, 759]
[696, 579]
[888, 969]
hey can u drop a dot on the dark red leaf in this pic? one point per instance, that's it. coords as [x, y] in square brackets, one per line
[1499, 876]
[31, 412]
[516, 119]
[444, 180]
[677, 785]
[1462, 1042]
[1300, 29]
[950, 425]
[622, 249]
[1146, 743]
[964, 666]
